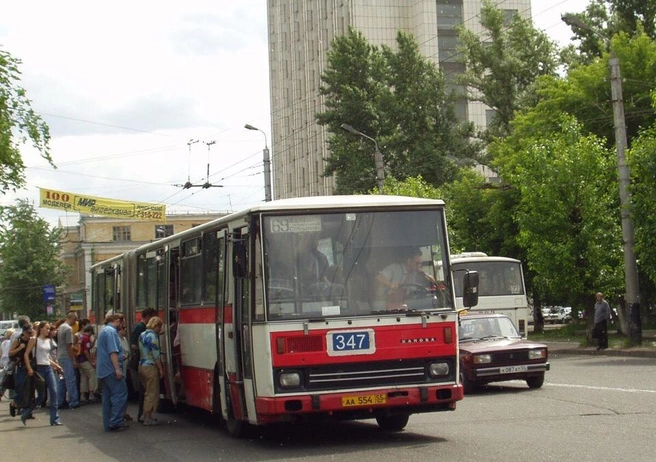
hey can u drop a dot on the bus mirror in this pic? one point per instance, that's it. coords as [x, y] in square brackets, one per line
[470, 289]
[239, 267]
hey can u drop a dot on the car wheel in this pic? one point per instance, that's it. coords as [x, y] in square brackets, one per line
[393, 423]
[467, 384]
[535, 381]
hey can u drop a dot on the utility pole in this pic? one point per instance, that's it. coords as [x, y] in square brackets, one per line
[630, 263]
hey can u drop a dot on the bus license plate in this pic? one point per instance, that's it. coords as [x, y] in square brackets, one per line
[351, 342]
[513, 369]
[365, 400]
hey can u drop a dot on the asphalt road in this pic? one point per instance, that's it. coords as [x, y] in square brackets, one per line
[591, 408]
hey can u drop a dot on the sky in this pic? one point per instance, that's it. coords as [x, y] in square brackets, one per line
[126, 86]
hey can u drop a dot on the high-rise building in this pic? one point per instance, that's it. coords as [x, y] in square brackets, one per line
[300, 35]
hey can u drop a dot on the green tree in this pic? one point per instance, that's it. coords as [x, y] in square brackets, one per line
[567, 214]
[399, 99]
[503, 64]
[18, 124]
[607, 18]
[29, 251]
[643, 177]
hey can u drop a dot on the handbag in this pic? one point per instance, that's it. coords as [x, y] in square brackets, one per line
[8, 381]
[39, 383]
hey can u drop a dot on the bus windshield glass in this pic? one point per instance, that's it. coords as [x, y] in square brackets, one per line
[354, 263]
[495, 277]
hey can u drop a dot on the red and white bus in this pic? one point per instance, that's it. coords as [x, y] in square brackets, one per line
[274, 313]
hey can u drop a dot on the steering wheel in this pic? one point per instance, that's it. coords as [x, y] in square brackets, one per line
[415, 290]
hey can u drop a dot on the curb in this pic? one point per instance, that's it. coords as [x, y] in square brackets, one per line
[555, 350]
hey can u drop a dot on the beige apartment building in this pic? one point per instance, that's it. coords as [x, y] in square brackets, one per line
[94, 239]
[300, 35]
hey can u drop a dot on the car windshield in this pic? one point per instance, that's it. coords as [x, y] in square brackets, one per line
[481, 328]
[354, 264]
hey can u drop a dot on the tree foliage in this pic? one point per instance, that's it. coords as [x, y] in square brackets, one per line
[642, 162]
[607, 18]
[586, 91]
[503, 64]
[18, 124]
[29, 250]
[397, 98]
[567, 214]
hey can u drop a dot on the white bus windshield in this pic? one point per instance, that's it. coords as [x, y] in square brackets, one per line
[354, 263]
[495, 277]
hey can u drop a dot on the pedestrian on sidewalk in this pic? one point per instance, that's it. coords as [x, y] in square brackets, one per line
[601, 317]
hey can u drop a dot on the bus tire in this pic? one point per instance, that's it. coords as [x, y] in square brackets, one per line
[236, 428]
[393, 423]
[536, 381]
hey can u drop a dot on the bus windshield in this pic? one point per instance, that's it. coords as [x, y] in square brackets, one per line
[354, 263]
[495, 277]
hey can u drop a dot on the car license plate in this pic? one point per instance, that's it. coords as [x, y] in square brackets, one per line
[351, 342]
[513, 369]
[364, 400]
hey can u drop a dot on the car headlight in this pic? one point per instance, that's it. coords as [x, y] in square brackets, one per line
[540, 353]
[482, 359]
[438, 369]
[289, 379]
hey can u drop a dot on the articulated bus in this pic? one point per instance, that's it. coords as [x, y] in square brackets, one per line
[275, 313]
[501, 286]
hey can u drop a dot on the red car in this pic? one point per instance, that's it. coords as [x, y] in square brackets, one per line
[491, 350]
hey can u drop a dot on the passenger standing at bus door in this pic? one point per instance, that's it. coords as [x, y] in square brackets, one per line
[139, 329]
[150, 368]
[110, 373]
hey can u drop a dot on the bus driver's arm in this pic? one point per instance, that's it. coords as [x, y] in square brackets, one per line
[389, 285]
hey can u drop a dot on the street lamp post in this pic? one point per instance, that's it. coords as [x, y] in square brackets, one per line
[267, 164]
[619, 122]
[378, 157]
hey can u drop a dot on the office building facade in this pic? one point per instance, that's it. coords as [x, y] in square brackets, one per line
[300, 35]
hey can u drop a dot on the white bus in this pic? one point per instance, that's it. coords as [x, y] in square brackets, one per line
[501, 286]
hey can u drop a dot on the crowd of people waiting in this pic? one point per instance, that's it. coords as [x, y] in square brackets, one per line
[63, 365]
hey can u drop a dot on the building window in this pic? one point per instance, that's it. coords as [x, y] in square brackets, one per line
[163, 231]
[508, 17]
[121, 233]
[490, 115]
[449, 13]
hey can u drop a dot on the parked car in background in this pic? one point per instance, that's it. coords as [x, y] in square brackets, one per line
[491, 350]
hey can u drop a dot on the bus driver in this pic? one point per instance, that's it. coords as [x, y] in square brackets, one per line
[398, 279]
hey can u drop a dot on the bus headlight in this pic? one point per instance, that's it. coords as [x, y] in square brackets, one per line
[482, 359]
[438, 369]
[540, 353]
[289, 379]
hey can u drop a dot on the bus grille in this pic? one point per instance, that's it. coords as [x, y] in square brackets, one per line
[375, 374]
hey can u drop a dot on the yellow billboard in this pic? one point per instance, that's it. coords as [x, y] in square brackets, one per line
[91, 205]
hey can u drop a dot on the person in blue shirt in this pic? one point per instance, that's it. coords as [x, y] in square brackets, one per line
[109, 367]
[150, 367]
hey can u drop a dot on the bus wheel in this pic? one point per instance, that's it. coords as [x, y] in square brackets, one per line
[535, 382]
[236, 428]
[393, 423]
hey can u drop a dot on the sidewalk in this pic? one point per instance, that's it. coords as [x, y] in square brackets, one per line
[646, 350]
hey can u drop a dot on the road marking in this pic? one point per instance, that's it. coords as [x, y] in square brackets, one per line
[589, 387]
